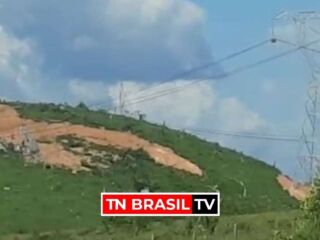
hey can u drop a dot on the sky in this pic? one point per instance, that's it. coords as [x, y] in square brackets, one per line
[75, 51]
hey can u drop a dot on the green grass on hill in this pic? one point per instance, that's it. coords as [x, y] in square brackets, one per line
[54, 199]
[264, 226]
[41, 199]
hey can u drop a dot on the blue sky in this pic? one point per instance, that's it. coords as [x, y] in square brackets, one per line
[234, 24]
[227, 20]
[81, 51]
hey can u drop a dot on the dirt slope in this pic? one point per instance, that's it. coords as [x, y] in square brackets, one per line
[53, 153]
[296, 190]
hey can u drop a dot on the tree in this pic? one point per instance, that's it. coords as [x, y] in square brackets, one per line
[203, 225]
[82, 106]
[310, 225]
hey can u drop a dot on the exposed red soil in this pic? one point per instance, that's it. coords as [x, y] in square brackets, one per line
[54, 154]
[296, 190]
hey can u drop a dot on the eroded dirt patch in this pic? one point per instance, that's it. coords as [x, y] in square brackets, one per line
[296, 190]
[54, 154]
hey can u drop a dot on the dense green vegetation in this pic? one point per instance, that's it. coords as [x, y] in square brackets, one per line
[36, 199]
[309, 224]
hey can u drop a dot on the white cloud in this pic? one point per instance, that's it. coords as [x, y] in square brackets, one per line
[12, 52]
[87, 91]
[236, 116]
[176, 23]
[182, 109]
[146, 13]
[19, 67]
[141, 40]
[197, 105]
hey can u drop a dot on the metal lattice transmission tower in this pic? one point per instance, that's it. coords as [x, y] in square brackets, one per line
[302, 28]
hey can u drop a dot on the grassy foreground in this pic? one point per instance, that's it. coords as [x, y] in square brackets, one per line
[264, 226]
[37, 199]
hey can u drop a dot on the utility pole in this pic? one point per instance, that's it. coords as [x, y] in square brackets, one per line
[303, 23]
[121, 101]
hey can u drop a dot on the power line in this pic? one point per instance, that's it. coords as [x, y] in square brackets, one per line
[201, 67]
[33, 128]
[260, 136]
[270, 137]
[207, 65]
[221, 76]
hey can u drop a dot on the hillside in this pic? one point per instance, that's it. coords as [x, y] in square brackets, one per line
[71, 201]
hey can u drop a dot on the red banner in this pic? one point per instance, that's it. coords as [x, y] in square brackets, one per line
[160, 204]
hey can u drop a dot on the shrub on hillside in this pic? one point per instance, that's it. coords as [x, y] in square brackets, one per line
[310, 227]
